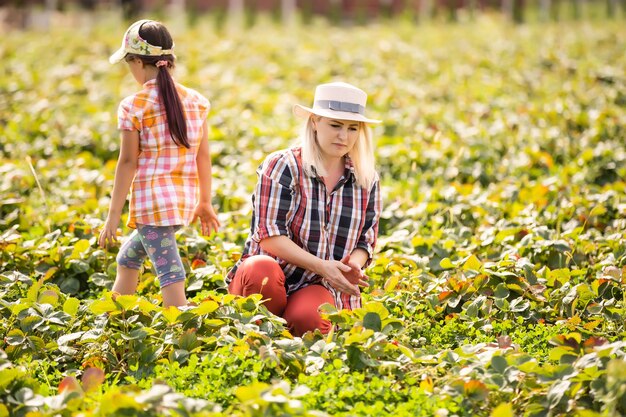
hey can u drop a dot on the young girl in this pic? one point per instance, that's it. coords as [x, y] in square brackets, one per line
[164, 160]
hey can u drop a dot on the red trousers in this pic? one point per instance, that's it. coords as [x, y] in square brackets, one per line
[299, 309]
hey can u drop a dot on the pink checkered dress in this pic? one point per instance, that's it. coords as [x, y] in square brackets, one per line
[165, 188]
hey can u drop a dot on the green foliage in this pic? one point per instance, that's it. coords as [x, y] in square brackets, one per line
[499, 285]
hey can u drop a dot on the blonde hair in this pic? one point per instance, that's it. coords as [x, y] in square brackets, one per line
[362, 154]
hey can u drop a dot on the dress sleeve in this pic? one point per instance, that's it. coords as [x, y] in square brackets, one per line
[273, 199]
[127, 118]
[369, 233]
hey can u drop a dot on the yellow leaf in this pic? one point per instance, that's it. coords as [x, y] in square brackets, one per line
[591, 325]
[206, 307]
[171, 313]
[71, 305]
[127, 302]
[503, 410]
[102, 306]
[49, 273]
[472, 263]
[446, 263]
[391, 283]
[427, 385]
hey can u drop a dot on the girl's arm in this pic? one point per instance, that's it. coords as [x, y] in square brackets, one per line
[332, 271]
[204, 209]
[124, 175]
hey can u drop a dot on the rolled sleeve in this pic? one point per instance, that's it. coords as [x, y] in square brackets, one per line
[369, 233]
[127, 118]
[273, 199]
[204, 106]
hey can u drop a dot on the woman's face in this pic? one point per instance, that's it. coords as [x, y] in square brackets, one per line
[335, 137]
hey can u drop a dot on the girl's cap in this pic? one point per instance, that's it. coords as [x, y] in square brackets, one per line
[337, 101]
[134, 44]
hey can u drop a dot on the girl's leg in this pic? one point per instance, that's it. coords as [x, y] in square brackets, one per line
[160, 245]
[174, 294]
[129, 261]
[302, 313]
[261, 274]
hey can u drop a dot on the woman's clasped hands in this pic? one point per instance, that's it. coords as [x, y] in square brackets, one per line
[345, 275]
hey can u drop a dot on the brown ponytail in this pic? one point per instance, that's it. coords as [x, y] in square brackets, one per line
[173, 107]
[157, 35]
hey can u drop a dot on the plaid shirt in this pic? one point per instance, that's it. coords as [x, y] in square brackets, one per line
[165, 187]
[291, 203]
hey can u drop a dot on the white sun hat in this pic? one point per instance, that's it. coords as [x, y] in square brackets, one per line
[337, 100]
[133, 43]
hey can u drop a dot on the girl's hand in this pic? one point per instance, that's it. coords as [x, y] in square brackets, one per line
[208, 218]
[335, 273]
[108, 234]
[355, 275]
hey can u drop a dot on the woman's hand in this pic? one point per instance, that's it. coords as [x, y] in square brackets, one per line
[208, 218]
[355, 275]
[336, 273]
[108, 234]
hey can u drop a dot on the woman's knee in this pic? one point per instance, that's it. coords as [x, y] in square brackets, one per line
[302, 311]
[301, 322]
[261, 275]
[261, 270]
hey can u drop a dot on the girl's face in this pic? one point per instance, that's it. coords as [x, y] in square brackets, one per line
[136, 68]
[335, 137]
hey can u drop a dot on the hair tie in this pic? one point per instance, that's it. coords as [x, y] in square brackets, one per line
[161, 63]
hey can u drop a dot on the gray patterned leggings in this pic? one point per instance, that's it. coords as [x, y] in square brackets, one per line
[159, 244]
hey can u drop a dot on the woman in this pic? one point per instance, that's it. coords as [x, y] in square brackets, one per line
[315, 214]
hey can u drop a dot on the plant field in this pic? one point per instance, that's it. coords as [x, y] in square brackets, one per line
[499, 286]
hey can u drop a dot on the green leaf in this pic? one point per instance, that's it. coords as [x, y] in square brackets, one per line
[519, 304]
[30, 323]
[15, 337]
[499, 363]
[376, 307]
[70, 285]
[501, 291]
[8, 376]
[71, 306]
[372, 321]
[557, 392]
[79, 266]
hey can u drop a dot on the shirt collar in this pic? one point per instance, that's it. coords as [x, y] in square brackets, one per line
[150, 83]
[348, 168]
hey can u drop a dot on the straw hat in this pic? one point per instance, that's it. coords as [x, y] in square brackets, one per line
[337, 100]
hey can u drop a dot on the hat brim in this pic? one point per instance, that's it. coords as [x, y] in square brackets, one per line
[117, 56]
[303, 111]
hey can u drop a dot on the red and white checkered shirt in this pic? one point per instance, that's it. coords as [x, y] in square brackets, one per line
[289, 202]
[165, 188]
